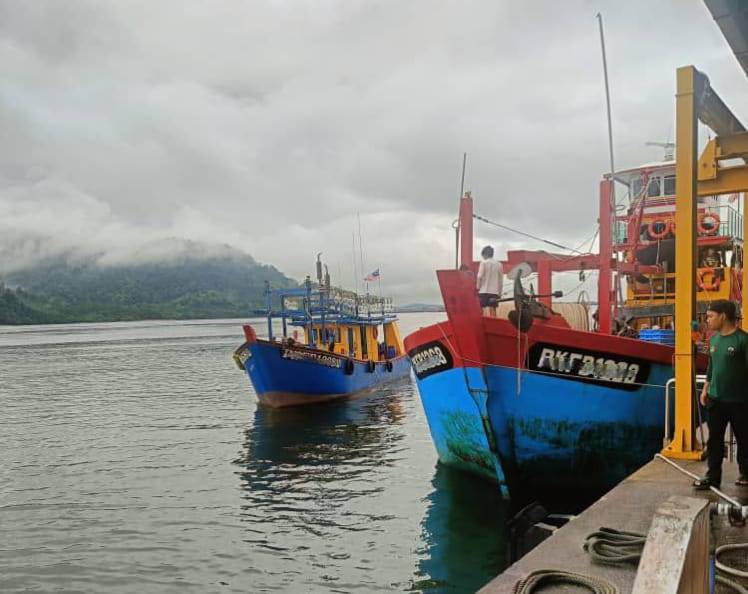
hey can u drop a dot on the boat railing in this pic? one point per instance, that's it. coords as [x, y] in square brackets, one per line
[730, 224]
[731, 221]
[328, 302]
[670, 389]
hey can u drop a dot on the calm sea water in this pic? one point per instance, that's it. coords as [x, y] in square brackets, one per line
[133, 458]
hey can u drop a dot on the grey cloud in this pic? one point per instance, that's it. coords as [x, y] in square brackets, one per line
[267, 125]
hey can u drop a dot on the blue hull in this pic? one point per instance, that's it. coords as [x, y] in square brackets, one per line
[559, 435]
[458, 422]
[291, 376]
[551, 435]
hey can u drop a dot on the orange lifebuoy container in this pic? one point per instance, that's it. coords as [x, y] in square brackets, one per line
[705, 217]
[666, 228]
[713, 285]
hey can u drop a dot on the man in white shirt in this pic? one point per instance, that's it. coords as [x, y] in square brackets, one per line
[489, 282]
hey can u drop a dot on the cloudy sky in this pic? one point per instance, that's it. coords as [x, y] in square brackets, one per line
[269, 124]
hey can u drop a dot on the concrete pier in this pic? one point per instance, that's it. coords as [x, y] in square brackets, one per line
[630, 506]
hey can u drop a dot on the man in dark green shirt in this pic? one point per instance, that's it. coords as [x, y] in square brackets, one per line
[725, 393]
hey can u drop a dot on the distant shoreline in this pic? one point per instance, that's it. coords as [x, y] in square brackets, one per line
[250, 316]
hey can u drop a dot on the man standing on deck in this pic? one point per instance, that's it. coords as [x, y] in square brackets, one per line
[725, 394]
[489, 282]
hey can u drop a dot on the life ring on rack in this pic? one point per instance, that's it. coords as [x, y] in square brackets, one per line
[710, 218]
[713, 285]
[665, 225]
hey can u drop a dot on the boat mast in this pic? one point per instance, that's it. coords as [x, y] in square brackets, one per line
[607, 211]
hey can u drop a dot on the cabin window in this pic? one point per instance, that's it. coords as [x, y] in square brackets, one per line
[653, 189]
[669, 185]
[351, 344]
[364, 346]
[636, 187]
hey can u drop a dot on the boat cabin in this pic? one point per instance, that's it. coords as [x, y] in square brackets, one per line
[334, 320]
[644, 233]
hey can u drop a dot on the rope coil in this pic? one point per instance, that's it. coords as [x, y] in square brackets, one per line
[611, 546]
[549, 577]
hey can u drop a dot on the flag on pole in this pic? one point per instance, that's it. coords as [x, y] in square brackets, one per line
[372, 277]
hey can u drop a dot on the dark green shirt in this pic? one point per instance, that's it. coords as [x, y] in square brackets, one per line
[728, 367]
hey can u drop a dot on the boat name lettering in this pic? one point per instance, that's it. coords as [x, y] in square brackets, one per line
[429, 359]
[589, 366]
[297, 355]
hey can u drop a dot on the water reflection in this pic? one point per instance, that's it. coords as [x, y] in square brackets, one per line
[463, 534]
[311, 478]
[328, 434]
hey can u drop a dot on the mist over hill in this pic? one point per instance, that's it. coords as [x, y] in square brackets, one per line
[173, 279]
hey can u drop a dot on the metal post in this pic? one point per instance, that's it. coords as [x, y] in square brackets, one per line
[309, 312]
[283, 317]
[457, 226]
[683, 444]
[466, 231]
[269, 309]
[545, 282]
[606, 254]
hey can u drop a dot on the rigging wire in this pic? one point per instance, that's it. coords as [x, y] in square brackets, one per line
[530, 235]
[576, 250]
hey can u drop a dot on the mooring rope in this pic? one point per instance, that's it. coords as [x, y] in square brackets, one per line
[551, 577]
[612, 546]
[730, 584]
[724, 568]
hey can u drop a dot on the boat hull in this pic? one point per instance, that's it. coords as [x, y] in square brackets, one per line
[559, 437]
[566, 411]
[293, 375]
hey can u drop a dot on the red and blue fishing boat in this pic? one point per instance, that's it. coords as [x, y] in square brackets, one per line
[549, 398]
[323, 343]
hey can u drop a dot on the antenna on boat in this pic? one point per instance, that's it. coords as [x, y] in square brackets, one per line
[607, 102]
[361, 249]
[319, 268]
[355, 270]
[456, 222]
[669, 148]
[612, 205]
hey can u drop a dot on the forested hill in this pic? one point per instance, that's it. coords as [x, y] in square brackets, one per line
[228, 283]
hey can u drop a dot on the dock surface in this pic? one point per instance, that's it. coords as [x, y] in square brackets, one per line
[629, 506]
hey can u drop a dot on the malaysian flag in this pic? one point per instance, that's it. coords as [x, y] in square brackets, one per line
[372, 277]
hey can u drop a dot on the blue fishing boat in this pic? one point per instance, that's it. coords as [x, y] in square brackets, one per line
[323, 343]
[548, 398]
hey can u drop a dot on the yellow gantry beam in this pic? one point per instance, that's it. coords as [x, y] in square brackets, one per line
[714, 173]
[686, 135]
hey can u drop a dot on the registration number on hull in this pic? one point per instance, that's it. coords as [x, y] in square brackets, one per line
[589, 366]
[429, 359]
[311, 357]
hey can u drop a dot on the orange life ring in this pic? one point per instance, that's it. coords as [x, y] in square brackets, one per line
[667, 227]
[712, 286]
[704, 216]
